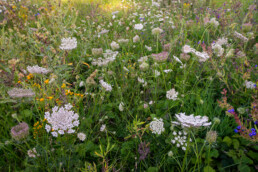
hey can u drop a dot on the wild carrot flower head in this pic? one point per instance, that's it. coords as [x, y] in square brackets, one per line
[37, 69]
[189, 121]
[62, 120]
[20, 131]
[20, 92]
[68, 43]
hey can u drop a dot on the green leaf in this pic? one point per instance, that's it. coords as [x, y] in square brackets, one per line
[214, 153]
[246, 160]
[227, 140]
[243, 168]
[208, 169]
[27, 113]
[152, 169]
[236, 143]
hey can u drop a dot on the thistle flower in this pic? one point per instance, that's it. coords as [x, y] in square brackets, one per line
[191, 121]
[62, 120]
[211, 136]
[81, 136]
[161, 57]
[68, 43]
[37, 69]
[156, 31]
[20, 131]
[172, 94]
[157, 126]
[20, 92]
[96, 51]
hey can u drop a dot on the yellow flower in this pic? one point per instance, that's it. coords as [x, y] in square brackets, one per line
[46, 81]
[41, 100]
[19, 82]
[63, 86]
[29, 76]
[50, 98]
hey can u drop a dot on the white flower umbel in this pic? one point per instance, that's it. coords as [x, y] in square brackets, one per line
[157, 126]
[32, 153]
[114, 45]
[20, 93]
[217, 49]
[250, 85]
[172, 94]
[189, 121]
[109, 56]
[37, 69]
[81, 136]
[62, 120]
[156, 31]
[121, 107]
[136, 39]
[180, 140]
[68, 43]
[138, 26]
[214, 22]
[240, 36]
[105, 85]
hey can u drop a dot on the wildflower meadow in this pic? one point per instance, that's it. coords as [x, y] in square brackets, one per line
[128, 85]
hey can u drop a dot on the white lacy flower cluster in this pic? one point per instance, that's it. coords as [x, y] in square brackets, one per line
[180, 139]
[240, 36]
[121, 107]
[62, 120]
[203, 56]
[81, 136]
[37, 69]
[250, 85]
[68, 43]
[191, 120]
[172, 94]
[214, 22]
[144, 83]
[105, 85]
[217, 46]
[20, 92]
[138, 26]
[157, 126]
[156, 31]
[114, 45]
[109, 56]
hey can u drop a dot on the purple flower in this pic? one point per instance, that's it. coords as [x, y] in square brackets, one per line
[256, 122]
[20, 131]
[238, 127]
[143, 150]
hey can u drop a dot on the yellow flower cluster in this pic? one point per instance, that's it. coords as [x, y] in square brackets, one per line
[38, 129]
[69, 92]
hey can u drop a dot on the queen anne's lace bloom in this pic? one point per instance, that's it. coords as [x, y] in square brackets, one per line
[37, 69]
[191, 120]
[20, 92]
[157, 126]
[81, 136]
[68, 43]
[138, 26]
[62, 120]
[172, 94]
[105, 85]
[250, 84]
[180, 139]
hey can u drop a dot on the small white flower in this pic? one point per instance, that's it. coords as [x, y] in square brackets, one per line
[114, 45]
[32, 153]
[172, 94]
[138, 26]
[156, 73]
[148, 48]
[103, 127]
[105, 85]
[170, 153]
[156, 31]
[157, 126]
[68, 43]
[81, 136]
[250, 85]
[136, 39]
[81, 84]
[121, 106]
[54, 134]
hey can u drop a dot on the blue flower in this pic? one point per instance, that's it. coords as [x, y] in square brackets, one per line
[256, 122]
[250, 134]
[231, 110]
[37, 14]
[238, 127]
[253, 129]
[236, 130]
